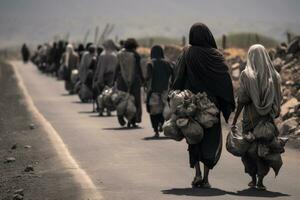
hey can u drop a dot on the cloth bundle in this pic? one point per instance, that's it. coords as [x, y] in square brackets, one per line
[85, 94]
[125, 105]
[190, 114]
[74, 76]
[263, 144]
[159, 104]
[105, 100]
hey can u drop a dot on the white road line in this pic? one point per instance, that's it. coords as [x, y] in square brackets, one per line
[80, 176]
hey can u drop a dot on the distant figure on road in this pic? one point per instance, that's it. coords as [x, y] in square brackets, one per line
[202, 68]
[159, 72]
[25, 53]
[71, 62]
[260, 96]
[106, 66]
[86, 73]
[129, 76]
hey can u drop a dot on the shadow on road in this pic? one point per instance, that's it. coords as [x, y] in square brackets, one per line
[85, 112]
[195, 192]
[156, 138]
[121, 128]
[252, 192]
[104, 116]
[80, 102]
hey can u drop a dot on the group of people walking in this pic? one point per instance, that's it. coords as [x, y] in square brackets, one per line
[201, 67]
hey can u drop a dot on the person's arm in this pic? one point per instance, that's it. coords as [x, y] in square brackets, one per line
[117, 72]
[239, 109]
[149, 72]
[179, 74]
[139, 67]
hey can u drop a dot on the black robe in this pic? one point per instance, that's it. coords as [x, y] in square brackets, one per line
[159, 73]
[202, 68]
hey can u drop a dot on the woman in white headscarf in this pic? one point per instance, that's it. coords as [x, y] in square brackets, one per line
[71, 61]
[260, 97]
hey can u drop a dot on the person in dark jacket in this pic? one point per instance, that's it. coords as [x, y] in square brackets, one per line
[25, 53]
[159, 72]
[202, 68]
[129, 77]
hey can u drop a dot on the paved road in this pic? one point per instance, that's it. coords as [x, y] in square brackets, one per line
[127, 164]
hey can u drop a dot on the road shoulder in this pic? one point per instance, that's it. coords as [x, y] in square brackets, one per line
[26, 137]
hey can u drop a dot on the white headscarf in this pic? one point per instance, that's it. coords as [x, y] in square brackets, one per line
[262, 82]
[69, 51]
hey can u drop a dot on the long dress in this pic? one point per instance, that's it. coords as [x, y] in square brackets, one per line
[159, 72]
[252, 163]
[204, 70]
[105, 71]
[260, 93]
[129, 78]
[72, 62]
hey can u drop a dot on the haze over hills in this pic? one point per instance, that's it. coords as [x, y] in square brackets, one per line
[36, 21]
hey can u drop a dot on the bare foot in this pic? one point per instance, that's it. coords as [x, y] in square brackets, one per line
[197, 181]
[252, 184]
[205, 184]
[261, 187]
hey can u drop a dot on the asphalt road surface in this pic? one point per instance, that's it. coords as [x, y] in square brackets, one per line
[128, 164]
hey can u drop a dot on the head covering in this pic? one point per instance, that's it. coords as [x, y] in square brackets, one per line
[207, 69]
[262, 82]
[69, 51]
[92, 49]
[130, 44]
[109, 45]
[200, 35]
[157, 52]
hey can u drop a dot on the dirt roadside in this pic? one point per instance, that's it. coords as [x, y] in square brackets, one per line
[23, 139]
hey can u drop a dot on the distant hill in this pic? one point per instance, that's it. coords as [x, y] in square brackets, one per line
[244, 40]
[237, 40]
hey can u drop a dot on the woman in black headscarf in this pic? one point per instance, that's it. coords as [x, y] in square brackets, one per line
[202, 68]
[129, 77]
[159, 72]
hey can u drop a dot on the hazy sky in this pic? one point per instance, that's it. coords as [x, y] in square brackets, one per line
[39, 20]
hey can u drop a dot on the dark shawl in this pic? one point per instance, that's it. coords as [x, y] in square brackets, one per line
[202, 68]
[159, 71]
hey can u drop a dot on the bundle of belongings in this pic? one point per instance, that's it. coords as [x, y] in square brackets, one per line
[263, 143]
[158, 104]
[85, 93]
[74, 80]
[105, 100]
[125, 105]
[190, 114]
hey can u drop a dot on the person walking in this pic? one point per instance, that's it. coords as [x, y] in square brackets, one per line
[202, 68]
[159, 74]
[260, 96]
[129, 78]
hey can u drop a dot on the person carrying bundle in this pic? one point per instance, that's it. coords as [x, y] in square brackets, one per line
[159, 73]
[86, 73]
[105, 71]
[129, 78]
[202, 68]
[260, 97]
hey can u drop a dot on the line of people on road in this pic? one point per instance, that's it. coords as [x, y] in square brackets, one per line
[89, 71]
